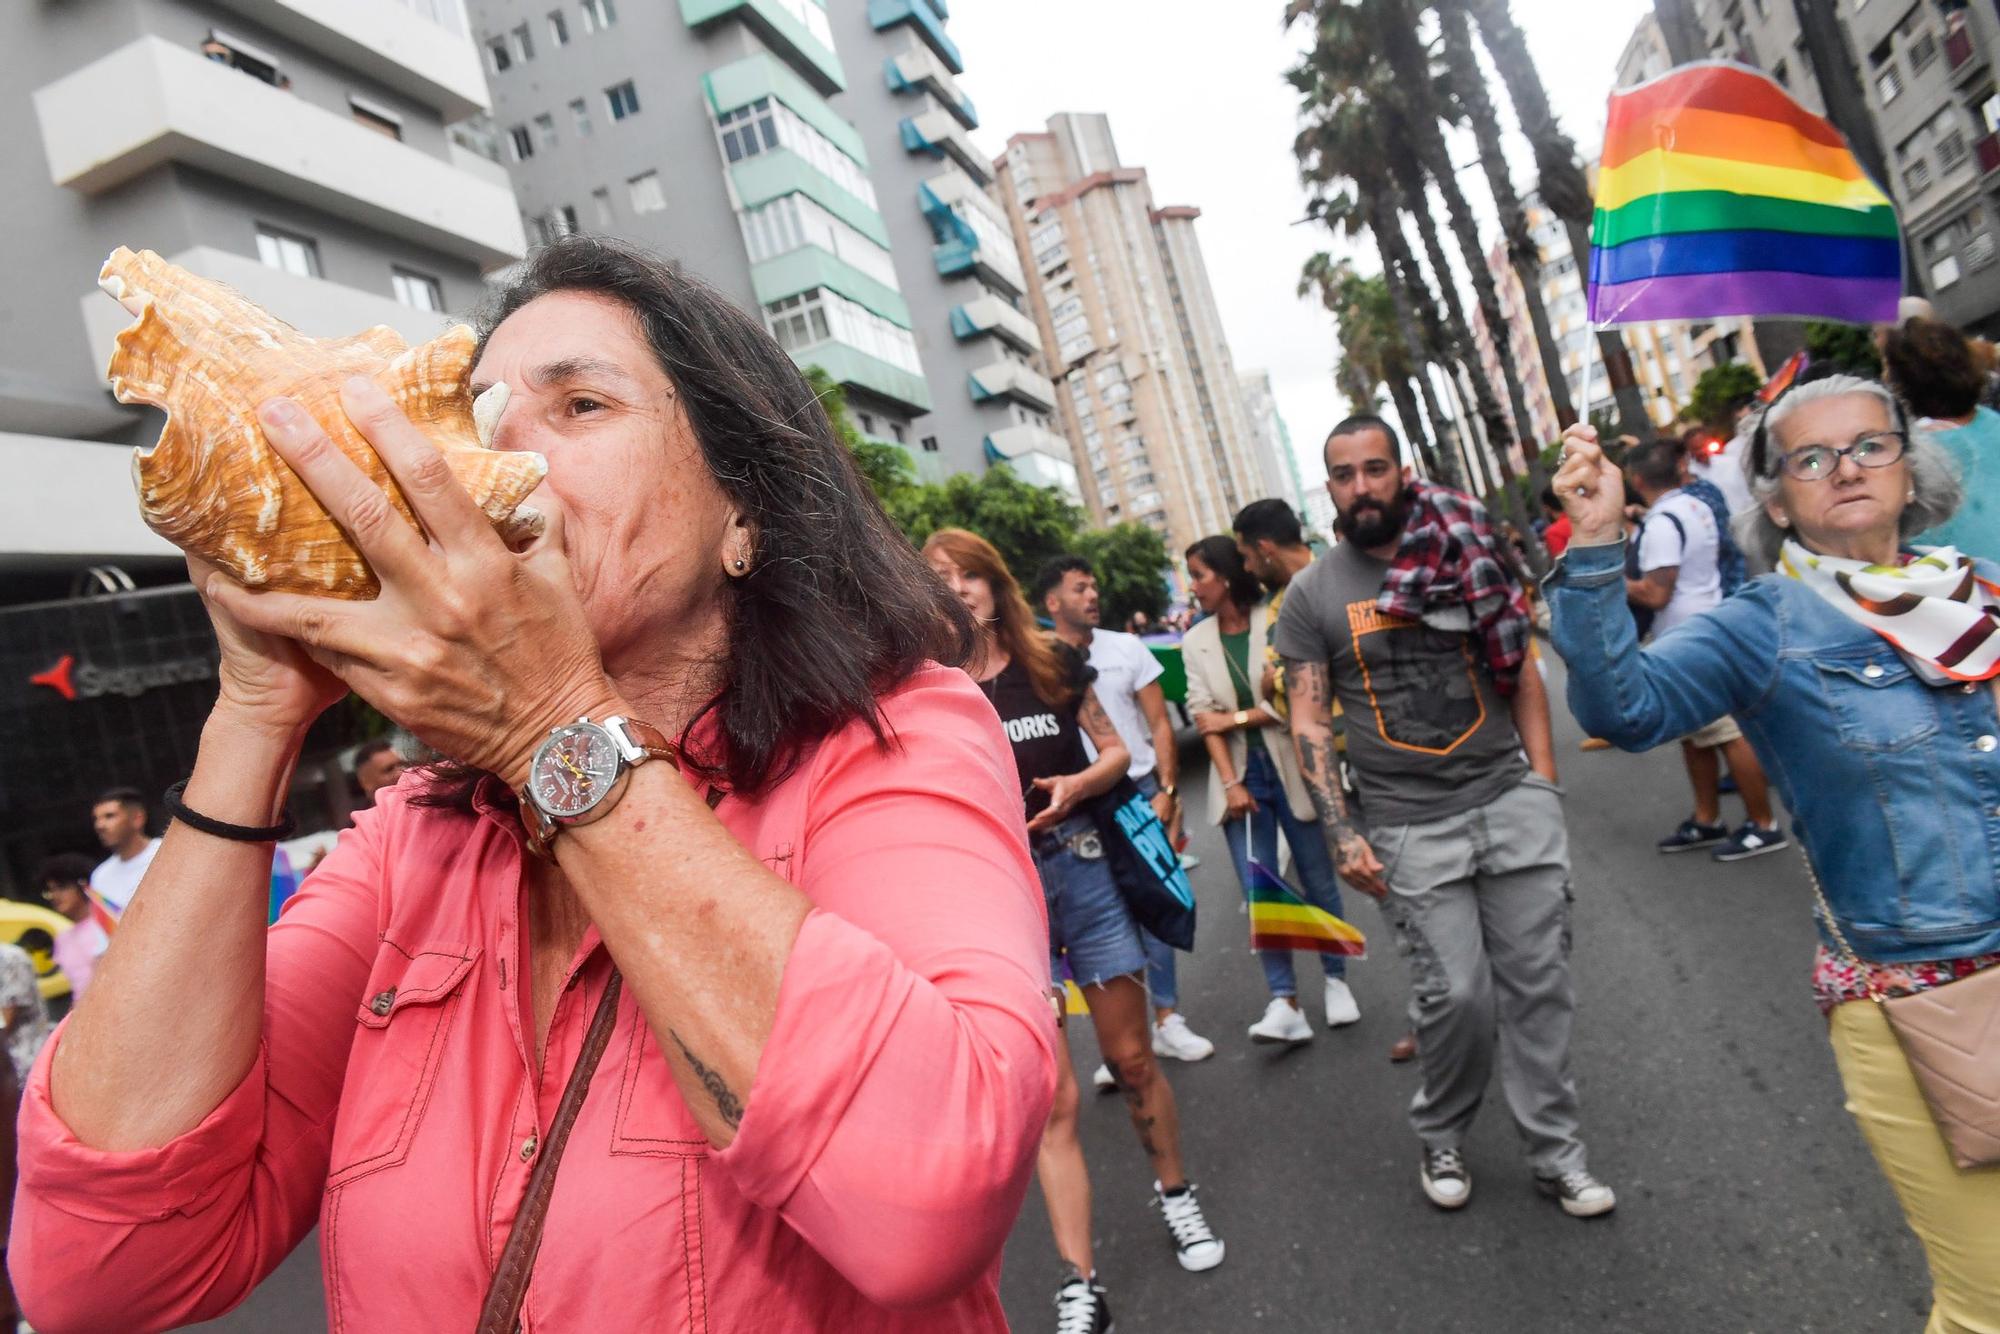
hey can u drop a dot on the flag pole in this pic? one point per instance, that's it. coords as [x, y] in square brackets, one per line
[1589, 338]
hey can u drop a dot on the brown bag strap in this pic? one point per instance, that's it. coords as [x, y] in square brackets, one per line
[502, 1312]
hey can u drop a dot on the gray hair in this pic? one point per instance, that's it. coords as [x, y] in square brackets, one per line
[1933, 476]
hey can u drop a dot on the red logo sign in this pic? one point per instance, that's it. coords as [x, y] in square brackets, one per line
[56, 678]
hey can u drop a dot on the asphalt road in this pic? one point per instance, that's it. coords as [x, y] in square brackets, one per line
[1748, 1202]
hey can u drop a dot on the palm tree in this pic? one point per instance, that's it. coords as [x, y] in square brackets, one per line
[1372, 354]
[1563, 186]
[1467, 86]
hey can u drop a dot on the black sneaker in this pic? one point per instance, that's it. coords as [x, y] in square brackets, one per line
[1581, 1194]
[1750, 841]
[1195, 1245]
[1080, 1306]
[1692, 835]
[1446, 1182]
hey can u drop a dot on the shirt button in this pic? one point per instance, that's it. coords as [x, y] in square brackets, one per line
[1872, 670]
[383, 1003]
[1968, 688]
[1986, 743]
[528, 1148]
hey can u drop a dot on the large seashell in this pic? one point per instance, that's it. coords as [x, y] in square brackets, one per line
[213, 486]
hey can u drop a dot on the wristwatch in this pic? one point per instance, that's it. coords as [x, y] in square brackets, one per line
[1243, 717]
[579, 773]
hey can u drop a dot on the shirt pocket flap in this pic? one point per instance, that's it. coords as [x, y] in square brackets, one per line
[401, 979]
[1876, 673]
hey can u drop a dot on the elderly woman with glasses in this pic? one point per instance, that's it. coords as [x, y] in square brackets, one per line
[1864, 674]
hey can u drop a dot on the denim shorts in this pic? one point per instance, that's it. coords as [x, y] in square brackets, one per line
[1088, 918]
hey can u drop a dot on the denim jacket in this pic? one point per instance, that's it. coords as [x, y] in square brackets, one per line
[1894, 786]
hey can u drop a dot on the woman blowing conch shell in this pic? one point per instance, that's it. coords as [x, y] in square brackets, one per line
[212, 485]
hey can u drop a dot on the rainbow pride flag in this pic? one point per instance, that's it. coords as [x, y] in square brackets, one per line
[1281, 920]
[1720, 195]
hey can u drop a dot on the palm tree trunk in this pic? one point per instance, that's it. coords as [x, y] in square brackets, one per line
[1563, 186]
[1522, 252]
[1399, 268]
[1476, 469]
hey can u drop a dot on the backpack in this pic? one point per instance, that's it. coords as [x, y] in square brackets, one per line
[1730, 566]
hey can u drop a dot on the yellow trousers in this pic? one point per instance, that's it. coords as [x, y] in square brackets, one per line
[1955, 1214]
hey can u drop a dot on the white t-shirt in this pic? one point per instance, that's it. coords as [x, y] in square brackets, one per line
[117, 881]
[1125, 666]
[1693, 547]
[1725, 472]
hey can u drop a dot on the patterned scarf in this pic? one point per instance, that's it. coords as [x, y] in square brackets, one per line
[1942, 618]
[1450, 574]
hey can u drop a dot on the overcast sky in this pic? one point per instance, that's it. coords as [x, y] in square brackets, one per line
[1200, 101]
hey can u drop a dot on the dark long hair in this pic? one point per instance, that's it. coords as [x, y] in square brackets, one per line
[1014, 627]
[1224, 557]
[838, 607]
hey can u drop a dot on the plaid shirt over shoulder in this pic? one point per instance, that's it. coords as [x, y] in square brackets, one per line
[1450, 569]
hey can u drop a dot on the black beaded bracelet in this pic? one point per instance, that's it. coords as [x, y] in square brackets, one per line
[237, 833]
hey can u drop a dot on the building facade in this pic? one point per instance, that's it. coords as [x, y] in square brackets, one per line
[301, 152]
[1145, 385]
[1928, 70]
[703, 130]
[961, 274]
[1277, 463]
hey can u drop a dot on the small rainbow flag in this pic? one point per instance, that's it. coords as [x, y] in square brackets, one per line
[1720, 195]
[101, 911]
[1281, 920]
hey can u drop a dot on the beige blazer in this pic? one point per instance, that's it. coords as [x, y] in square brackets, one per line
[1212, 689]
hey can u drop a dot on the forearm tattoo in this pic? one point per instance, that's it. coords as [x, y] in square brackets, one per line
[727, 1105]
[1096, 723]
[1310, 689]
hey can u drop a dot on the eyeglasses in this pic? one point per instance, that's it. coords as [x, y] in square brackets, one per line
[1877, 449]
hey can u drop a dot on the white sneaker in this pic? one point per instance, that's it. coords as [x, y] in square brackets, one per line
[1197, 1247]
[1104, 1081]
[1340, 1007]
[1282, 1022]
[1189, 861]
[1172, 1037]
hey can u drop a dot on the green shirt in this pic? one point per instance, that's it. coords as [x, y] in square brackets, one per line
[1236, 648]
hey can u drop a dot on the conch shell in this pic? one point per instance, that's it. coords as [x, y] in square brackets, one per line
[213, 486]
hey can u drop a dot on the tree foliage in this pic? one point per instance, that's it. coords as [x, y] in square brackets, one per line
[1717, 391]
[1027, 524]
[1850, 347]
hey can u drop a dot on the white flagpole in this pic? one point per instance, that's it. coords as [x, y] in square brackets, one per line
[1589, 340]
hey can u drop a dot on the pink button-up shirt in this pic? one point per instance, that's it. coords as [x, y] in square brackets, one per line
[883, 1153]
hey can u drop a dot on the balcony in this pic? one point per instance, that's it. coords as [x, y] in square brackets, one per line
[311, 305]
[1987, 150]
[862, 370]
[990, 315]
[385, 40]
[150, 102]
[960, 250]
[1010, 379]
[80, 505]
[937, 133]
[919, 68]
[925, 19]
[1037, 457]
[795, 29]
[1962, 50]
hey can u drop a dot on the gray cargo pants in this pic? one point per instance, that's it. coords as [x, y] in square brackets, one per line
[1481, 903]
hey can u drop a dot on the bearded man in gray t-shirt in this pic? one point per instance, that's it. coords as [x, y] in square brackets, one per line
[1465, 846]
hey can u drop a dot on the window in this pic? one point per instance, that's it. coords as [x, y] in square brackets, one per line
[622, 99]
[810, 318]
[563, 220]
[1889, 85]
[288, 251]
[416, 290]
[523, 45]
[767, 124]
[867, 423]
[1923, 51]
[645, 194]
[244, 58]
[901, 435]
[545, 130]
[579, 117]
[498, 56]
[793, 221]
[521, 142]
[1945, 272]
[597, 14]
[601, 197]
[558, 28]
[376, 117]
[1951, 150]
[1917, 177]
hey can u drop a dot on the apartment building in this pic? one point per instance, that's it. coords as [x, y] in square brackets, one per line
[961, 274]
[704, 130]
[298, 150]
[1928, 70]
[1277, 463]
[1145, 385]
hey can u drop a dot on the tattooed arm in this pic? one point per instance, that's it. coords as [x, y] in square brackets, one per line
[1309, 686]
[1113, 759]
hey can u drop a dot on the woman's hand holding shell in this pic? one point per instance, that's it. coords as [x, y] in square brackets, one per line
[475, 649]
[1591, 489]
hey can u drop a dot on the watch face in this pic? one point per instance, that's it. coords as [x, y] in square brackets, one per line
[575, 769]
